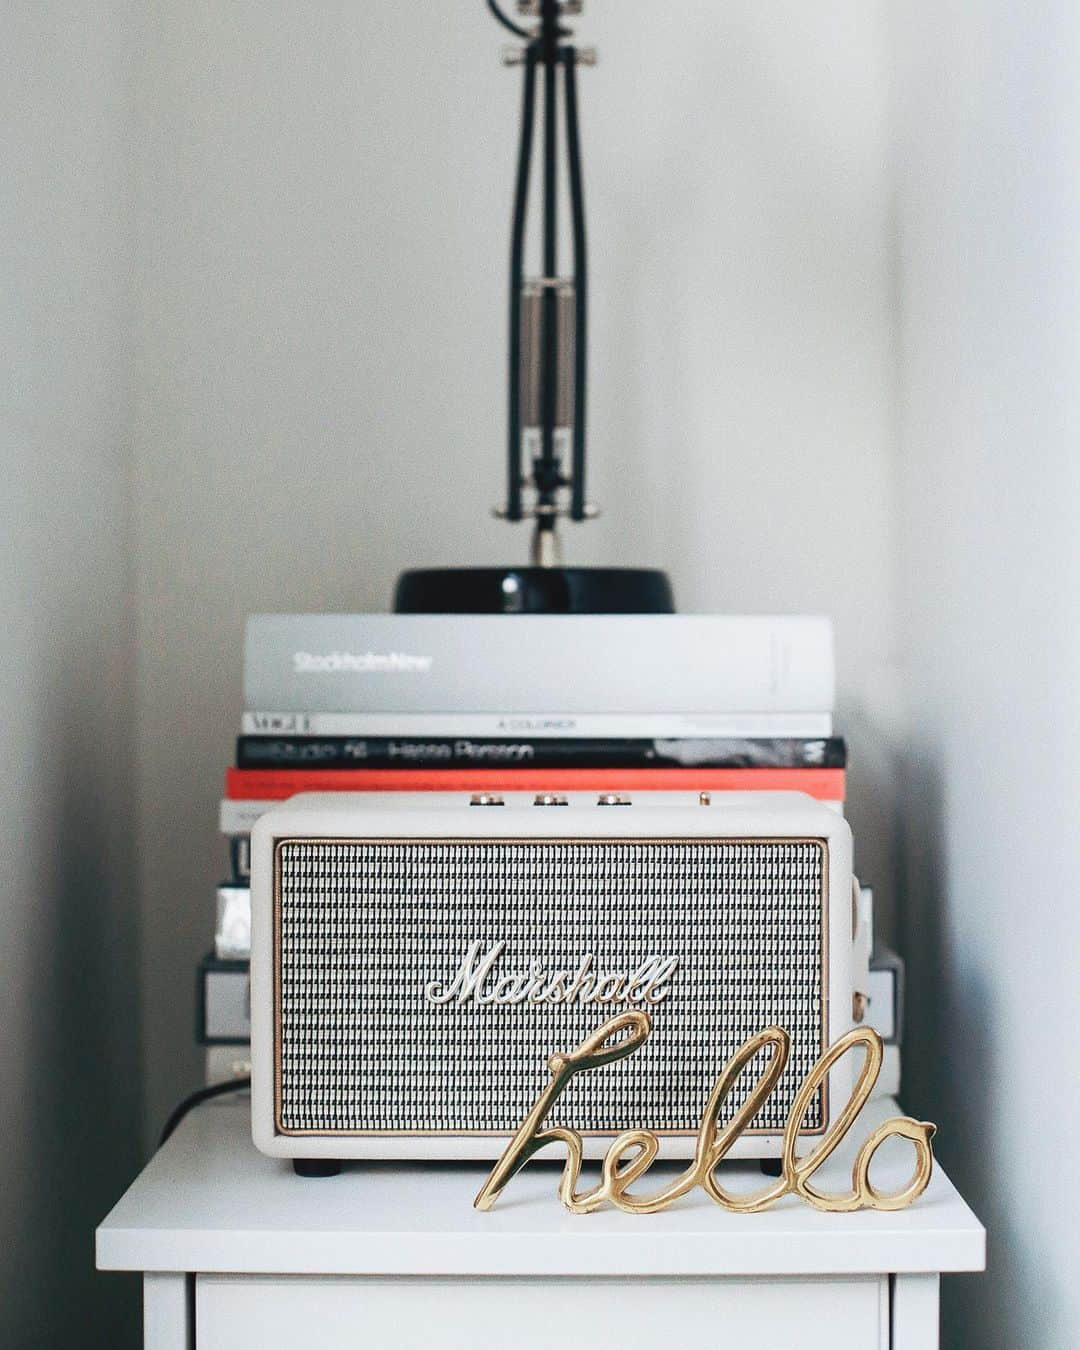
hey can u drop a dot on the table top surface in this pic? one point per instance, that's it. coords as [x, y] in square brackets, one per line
[209, 1202]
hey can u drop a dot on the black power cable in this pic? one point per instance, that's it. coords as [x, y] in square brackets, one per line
[517, 278]
[547, 470]
[581, 283]
[196, 1098]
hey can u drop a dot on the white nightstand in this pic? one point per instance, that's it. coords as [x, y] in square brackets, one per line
[237, 1251]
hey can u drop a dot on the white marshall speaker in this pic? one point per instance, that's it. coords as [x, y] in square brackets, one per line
[416, 958]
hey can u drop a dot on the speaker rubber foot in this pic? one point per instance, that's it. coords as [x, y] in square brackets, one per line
[316, 1167]
[772, 1167]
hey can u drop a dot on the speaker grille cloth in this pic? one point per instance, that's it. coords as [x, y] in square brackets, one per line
[364, 926]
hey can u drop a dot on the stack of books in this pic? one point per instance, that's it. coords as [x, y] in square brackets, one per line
[552, 703]
[488, 704]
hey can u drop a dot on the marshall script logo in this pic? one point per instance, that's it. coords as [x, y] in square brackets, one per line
[480, 979]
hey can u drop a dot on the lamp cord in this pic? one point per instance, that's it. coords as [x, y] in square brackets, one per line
[507, 22]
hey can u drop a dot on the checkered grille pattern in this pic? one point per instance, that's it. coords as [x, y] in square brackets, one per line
[365, 926]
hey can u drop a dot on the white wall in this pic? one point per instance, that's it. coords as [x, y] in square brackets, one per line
[325, 221]
[69, 1048]
[304, 393]
[988, 127]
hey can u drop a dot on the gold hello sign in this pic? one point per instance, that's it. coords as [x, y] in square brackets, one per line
[633, 1152]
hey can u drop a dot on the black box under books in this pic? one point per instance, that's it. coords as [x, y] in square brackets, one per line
[223, 1002]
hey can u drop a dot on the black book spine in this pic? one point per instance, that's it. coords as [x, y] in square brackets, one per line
[387, 752]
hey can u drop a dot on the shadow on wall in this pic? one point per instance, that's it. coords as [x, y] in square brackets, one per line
[872, 808]
[950, 1073]
[80, 1073]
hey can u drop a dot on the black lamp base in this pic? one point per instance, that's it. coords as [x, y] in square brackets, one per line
[534, 590]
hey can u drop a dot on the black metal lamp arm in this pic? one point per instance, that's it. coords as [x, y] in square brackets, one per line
[546, 48]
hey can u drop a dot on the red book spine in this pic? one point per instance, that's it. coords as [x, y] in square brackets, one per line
[277, 784]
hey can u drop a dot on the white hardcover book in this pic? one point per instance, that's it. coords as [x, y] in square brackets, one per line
[623, 663]
[239, 817]
[885, 990]
[224, 1063]
[881, 996]
[226, 1006]
[606, 725]
[232, 935]
[888, 1083]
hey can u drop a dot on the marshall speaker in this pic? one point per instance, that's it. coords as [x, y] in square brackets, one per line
[416, 958]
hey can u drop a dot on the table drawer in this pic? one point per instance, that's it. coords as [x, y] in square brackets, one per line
[332, 1313]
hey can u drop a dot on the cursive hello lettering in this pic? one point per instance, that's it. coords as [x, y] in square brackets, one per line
[633, 1152]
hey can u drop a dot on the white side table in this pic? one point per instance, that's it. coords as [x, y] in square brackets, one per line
[237, 1251]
